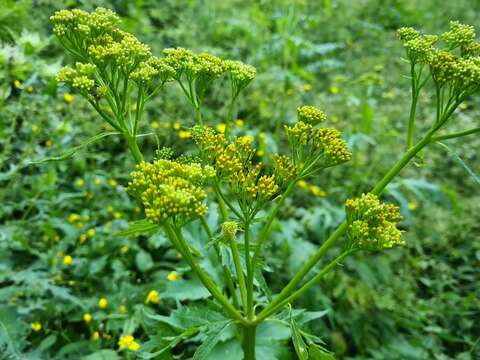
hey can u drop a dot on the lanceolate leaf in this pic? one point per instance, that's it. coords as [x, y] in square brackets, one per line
[212, 339]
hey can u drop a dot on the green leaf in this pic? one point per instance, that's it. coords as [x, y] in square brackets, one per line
[181, 290]
[139, 227]
[106, 354]
[144, 261]
[298, 343]
[318, 354]
[73, 150]
[461, 162]
[213, 336]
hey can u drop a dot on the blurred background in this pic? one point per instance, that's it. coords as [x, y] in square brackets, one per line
[421, 301]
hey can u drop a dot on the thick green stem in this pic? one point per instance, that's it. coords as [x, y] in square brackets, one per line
[249, 336]
[240, 275]
[176, 236]
[134, 149]
[413, 107]
[250, 271]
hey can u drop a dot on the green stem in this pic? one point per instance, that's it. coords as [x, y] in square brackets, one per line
[249, 335]
[272, 309]
[198, 111]
[176, 235]
[134, 149]
[229, 119]
[455, 135]
[239, 272]
[413, 106]
[226, 271]
[250, 271]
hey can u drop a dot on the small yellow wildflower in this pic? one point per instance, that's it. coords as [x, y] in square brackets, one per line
[124, 249]
[17, 84]
[91, 232]
[68, 98]
[155, 125]
[463, 106]
[316, 191]
[80, 183]
[122, 309]
[96, 336]
[334, 119]
[260, 153]
[239, 123]
[303, 184]
[36, 326]
[183, 134]
[334, 89]
[412, 205]
[167, 125]
[307, 87]
[87, 317]
[113, 183]
[102, 303]
[173, 276]
[110, 209]
[117, 215]
[221, 127]
[73, 217]
[48, 143]
[128, 342]
[152, 297]
[177, 126]
[67, 260]
[29, 89]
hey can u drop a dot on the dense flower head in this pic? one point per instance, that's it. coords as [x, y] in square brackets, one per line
[80, 78]
[229, 229]
[459, 34]
[171, 190]
[371, 224]
[407, 34]
[101, 20]
[310, 114]
[324, 146]
[284, 169]
[151, 68]
[241, 72]
[179, 58]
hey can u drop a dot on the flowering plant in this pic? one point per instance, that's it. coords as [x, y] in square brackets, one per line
[118, 75]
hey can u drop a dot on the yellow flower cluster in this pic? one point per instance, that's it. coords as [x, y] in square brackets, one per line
[128, 342]
[101, 20]
[284, 169]
[316, 148]
[371, 224]
[310, 115]
[171, 190]
[152, 297]
[80, 78]
[461, 69]
[229, 229]
[233, 161]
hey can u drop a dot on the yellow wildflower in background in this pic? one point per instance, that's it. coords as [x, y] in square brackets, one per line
[67, 260]
[96, 336]
[412, 205]
[221, 127]
[17, 84]
[302, 184]
[177, 126]
[29, 89]
[113, 183]
[124, 249]
[36, 326]
[334, 89]
[173, 276]
[239, 123]
[80, 183]
[315, 190]
[183, 134]
[87, 317]
[155, 125]
[102, 303]
[122, 309]
[128, 342]
[307, 87]
[73, 217]
[91, 232]
[68, 98]
[152, 297]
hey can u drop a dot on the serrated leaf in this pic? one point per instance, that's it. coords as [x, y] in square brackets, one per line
[298, 343]
[181, 290]
[213, 336]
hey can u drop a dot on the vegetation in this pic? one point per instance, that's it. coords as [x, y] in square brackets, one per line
[161, 202]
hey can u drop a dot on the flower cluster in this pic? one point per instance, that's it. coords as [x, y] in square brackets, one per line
[81, 78]
[128, 342]
[459, 69]
[171, 190]
[371, 224]
[229, 229]
[315, 148]
[310, 115]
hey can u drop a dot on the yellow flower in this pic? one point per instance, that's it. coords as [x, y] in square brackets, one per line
[134, 107]
[73, 217]
[102, 303]
[182, 134]
[152, 297]
[412, 205]
[307, 87]
[87, 317]
[48, 143]
[17, 84]
[334, 89]
[167, 125]
[82, 238]
[113, 183]
[110, 209]
[173, 276]
[177, 126]
[35, 129]
[36, 326]
[80, 183]
[91, 232]
[463, 106]
[117, 215]
[260, 153]
[124, 249]
[29, 89]
[303, 184]
[315, 190]
[122, 309]
[239, 123]
[68, 98]
[96, 336]
[155, 125]
[67, 260]
[128, 342]
[221, 127]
